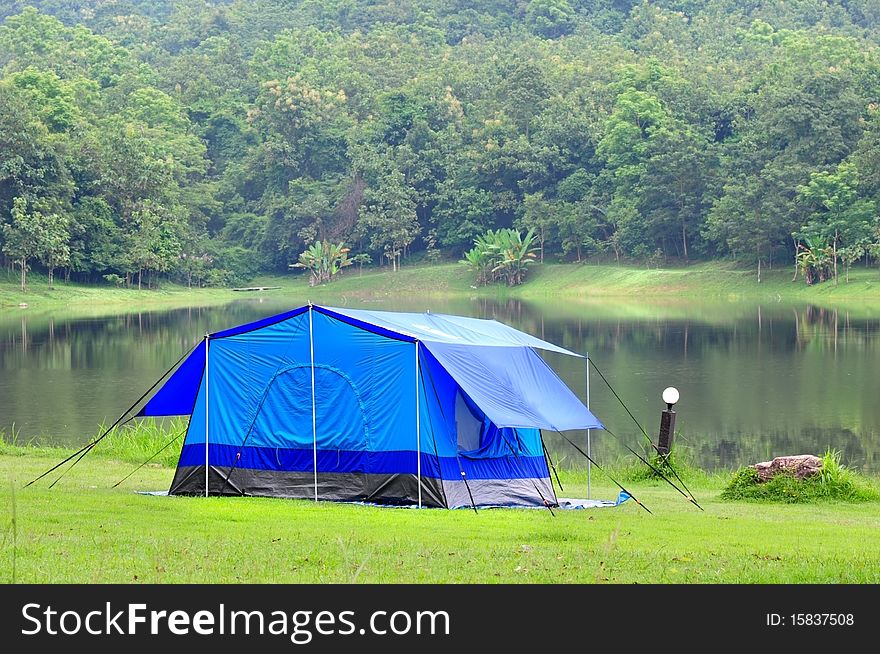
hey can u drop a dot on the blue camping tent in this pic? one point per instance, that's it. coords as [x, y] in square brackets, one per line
[344, 404]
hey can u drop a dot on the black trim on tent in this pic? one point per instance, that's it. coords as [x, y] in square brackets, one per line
[392, 489]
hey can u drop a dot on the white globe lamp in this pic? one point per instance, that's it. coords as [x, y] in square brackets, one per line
[670, 396]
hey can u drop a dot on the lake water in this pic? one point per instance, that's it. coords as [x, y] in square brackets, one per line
[756, 381]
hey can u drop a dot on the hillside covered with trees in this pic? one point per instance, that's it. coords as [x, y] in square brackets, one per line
[208, 141]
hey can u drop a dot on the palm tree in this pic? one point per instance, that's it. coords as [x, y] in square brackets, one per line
[516, 254]
[324, 260]
[814, 261]
[480, 263]
[501, 254]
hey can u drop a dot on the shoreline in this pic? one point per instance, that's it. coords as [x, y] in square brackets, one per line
[133, 451]
[714, 281]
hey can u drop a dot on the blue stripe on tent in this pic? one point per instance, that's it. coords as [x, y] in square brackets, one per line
[258, 324]
[395, 462]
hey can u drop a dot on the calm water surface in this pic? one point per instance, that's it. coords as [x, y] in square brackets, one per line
[756, 381]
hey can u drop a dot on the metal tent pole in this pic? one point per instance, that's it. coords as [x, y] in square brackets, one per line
[418, 432]
[207, 397]
[589, 431]
[314, 415]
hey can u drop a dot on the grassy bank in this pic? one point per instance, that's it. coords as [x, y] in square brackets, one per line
[88, 297]
[577, 282]
[715, 280]
[718, 280]
[85, 531]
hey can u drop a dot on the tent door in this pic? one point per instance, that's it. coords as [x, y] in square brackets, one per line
[468, 426]
[284, 419]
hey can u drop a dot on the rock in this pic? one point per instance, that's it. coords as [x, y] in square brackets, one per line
[801, 465]
[22, 305]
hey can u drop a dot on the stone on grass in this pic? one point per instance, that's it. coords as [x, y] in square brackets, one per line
[801, 466]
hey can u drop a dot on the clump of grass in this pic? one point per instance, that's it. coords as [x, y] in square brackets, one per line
[138, 441]
[678, 462]
[133, 443]
[14, 445]
[834, 482]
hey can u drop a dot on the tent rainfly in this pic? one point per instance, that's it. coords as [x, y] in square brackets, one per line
[353, 405]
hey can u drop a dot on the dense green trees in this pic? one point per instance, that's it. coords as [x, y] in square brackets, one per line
[208, 141]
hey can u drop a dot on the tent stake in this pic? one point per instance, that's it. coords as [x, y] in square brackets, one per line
[418, 432]
[655, 469]
[589, 431]
[687, 494]
[153, 456]
[207, 398]
[118, 423]
[552, 466]
[613, 481]
[314, 411]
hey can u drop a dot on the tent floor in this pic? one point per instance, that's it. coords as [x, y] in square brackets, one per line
[565, 503]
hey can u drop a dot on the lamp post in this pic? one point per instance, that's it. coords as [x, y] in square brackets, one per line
[667, 421]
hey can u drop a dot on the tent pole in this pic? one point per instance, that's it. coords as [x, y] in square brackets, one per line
[589, 431]
[207, 396]
[314, 412]
[418, 432]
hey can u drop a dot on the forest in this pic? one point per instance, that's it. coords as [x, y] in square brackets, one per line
[208, 141]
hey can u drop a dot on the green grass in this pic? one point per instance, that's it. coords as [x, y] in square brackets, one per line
[678, 466]
[134, 443]
[720, 281]
[717, 280]
[92, 298]
[834, 483]
[84, 531]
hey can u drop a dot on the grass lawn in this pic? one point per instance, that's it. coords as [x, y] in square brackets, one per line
[85, 531]
[713, 280]
[92, 298]
[717, 279]
[82, 531]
